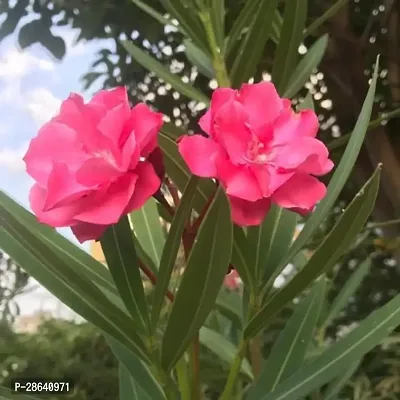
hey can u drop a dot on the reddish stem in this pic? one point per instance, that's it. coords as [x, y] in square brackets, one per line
[153, 279]
[174, 192]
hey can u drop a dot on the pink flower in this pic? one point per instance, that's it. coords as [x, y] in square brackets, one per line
[90, 163]
[232, 280]
[260, 150]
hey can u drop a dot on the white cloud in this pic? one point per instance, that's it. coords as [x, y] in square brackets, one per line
[42, 104]
[15, 64]
[11, 158]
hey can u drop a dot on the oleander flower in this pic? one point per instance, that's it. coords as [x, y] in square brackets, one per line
[260, 150]
[93, 163]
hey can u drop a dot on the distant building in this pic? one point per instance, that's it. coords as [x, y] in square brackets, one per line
[97, 252]
[30, 323]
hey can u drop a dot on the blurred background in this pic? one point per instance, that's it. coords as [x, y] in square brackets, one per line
[49, 48]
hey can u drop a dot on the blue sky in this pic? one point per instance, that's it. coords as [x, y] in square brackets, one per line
[32, 85]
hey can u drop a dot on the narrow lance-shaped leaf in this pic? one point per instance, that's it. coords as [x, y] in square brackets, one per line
[289, 351]
[223, 348]
[335, 387]
[74, 256]
[269, 241]
[340, 355]
[171, 248]
[199, 59]
[206, 268]
[348, 289]
[188, 20]
[140, 376]
[162, 72]
[294, 19]
[310, 61]
[244, 19]
[253, 44]
[147, 226]
[326, 255]
[218, 21]
[75, 290]
[341, 174]
[128, 387]
[119, 251]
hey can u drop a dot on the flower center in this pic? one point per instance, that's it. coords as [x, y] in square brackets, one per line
[106, 156]
[256, 152]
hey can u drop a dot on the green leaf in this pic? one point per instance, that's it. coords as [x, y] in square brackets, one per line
[128, 388]
[326, 255]
[6, 394]
[143, 256]
[119, 251]
[49, 268]
[223, 348]
[206, 268]
[153, 13]
[289, 351]
[164, 73]
[269, 242]
[147, 227]
[218, 21]
[199, 59]
[300, 76]
[171, 248]
[294, 19]
[74, 256]
[244, 19]
[340, 355]
[335, 387]
[139, 373]
[240, 258]
[253, 44]
[229, 304]
[307, 103]
[188, 20]
[341, 174]
[348, 290]
[277, 23]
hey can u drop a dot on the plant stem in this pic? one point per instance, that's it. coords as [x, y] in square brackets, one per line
[256, 343]
[195, 367]
[153, 279]
[234, 372]
[183, 379]
[218, 58]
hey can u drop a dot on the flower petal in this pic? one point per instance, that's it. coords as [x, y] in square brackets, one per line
[261, 103]
[145, 125]
[107, 208]
[248, 213]
[62, 187]
[111, 98]
[84, 231]
[199, 154]
[290, 126]
[146, 185]
[231, 132]
[57, 217]
[244, 185]
[300, 192]
[55, 141]
[97, 170]
[305, 154]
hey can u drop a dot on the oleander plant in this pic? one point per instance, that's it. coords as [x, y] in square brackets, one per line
[207, 217]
